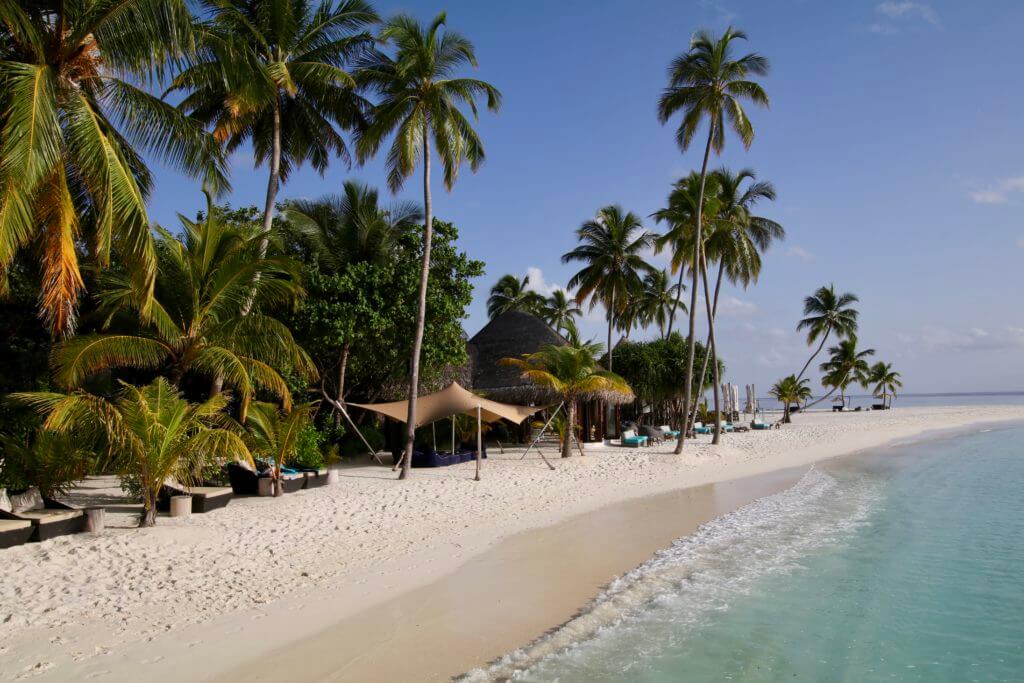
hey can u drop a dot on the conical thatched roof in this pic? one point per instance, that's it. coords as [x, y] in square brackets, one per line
[509, 335]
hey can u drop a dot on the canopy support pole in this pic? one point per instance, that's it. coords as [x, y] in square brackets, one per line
[544, 429]
[479, 443]
[341, 407]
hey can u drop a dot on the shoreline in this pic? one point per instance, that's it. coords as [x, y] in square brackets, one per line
[458, 523]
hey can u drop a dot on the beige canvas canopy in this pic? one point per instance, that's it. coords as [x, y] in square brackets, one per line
[451, 401]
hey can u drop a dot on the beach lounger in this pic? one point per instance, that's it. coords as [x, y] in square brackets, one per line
[653, 434]
[245, 481]
[668, 432]
[14, 532]
[631, 440]
[701, 428]
[757, 425]
[204, 498]
[48, 518]
[316, 478]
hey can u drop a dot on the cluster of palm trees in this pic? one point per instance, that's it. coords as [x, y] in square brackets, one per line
[79, 115]
[828, 314]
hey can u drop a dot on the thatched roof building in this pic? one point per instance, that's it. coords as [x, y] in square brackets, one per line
[509, 335]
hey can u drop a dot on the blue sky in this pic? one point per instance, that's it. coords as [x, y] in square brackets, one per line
[892, 139]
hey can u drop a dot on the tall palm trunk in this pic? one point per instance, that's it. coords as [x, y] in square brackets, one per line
[814, 355]
[675, 304]
[688, 389]
[711, 349]
[342, 366]
[570, 427]
[610, 426]
[704, 368]
[421, 311]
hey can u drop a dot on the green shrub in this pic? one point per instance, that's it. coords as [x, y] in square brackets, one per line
[308, 448]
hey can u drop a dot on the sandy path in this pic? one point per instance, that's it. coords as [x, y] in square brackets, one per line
[216, 589]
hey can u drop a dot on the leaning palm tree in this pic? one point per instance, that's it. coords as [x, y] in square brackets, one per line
[613, 249]
[419, 100]
[199, 322]
[885, 379]
[560, 311]
[151, 434]
[74, 125]
[511, 294]
[274, 74]
[572, 374]
[846, 364]
[273, 435]
[825, 313]
[707, 82]
[790, 390]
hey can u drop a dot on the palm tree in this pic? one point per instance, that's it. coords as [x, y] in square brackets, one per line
[826, 312]
[420, 99]
[273, 435]
[736, 239]
[886, 381]
[273, 73]
[199, 323]
[347, 229]
[790, 390]
[612, 249]
[152, 434]
[560, 311]
[658, 300]
[74, 124]
[706, 82]
[511, 294]
[846, 364]
[574, 375]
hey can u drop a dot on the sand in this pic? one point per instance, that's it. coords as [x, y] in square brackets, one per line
[278, 581]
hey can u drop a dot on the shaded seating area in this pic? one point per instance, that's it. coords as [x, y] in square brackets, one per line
[631, 439]
[204, 498]
[447, 403]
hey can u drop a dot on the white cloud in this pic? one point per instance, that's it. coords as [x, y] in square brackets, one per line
[971, 339]
[999, 192]
[800, 253]
[895, 15]
[729, 305]
[537, 283]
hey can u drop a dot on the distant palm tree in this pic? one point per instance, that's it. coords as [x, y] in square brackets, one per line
[74, 124]
[349, 228]
[826, 312]
[419, 99]
[152, 434]
[273, 73]
[706, 82]
[574, 375]
[560, 311]
[511, 294]
[790, 390]
[846, 364]
[613, 253]
[886, 380]
[199, 324]
[656, 301]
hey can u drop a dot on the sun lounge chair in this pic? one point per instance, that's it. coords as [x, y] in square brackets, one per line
[668, 432]
[14, 532]
[48, 518]
[245, 481]
[701, 428]
[757, 425]
[653, 434]
[432, 458]
[204, 498]
[315, 478]
[631, 440]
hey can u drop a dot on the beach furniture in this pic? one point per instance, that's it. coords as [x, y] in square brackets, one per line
[245, 481]
[204, 498]
[433, 458]
[48, 518]
[653, 434]
[757, 425]
[668, 432]
[14, 532]
[631, 440]
[315, 478]
[701, 428]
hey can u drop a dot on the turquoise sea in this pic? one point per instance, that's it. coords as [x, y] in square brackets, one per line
[902, 565]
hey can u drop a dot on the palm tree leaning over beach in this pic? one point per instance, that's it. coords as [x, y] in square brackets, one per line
[790, 390]
[510, 293]
[274, 74]
[74, 124]
[825, 313]
[846, 364]
[885, 379]
[706, 82]
[560, 311]
[572, 373]
[419, 100]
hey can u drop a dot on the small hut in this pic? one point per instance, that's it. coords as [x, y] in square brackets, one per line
[509, 335]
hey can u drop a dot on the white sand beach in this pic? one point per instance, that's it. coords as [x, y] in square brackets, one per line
[197, 598]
